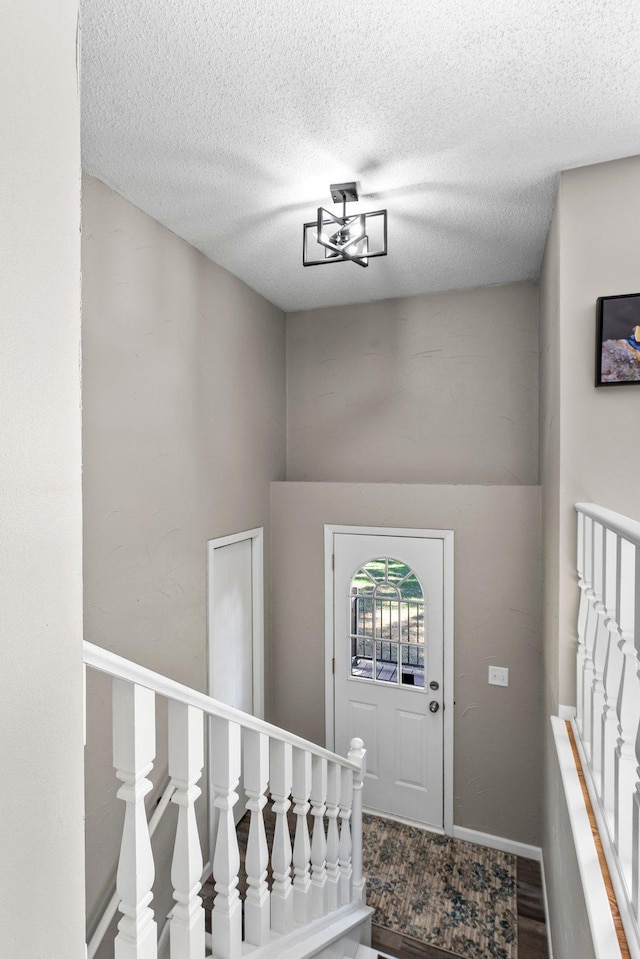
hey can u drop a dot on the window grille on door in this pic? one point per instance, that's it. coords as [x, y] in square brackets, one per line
[387, 624]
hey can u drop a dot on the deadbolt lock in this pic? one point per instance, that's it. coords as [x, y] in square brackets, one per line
[434, 684]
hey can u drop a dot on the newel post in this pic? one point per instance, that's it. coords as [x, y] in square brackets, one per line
[134, 749]
[357, 754]
[186, 759]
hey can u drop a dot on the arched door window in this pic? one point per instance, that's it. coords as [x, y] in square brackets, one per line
[387, 623]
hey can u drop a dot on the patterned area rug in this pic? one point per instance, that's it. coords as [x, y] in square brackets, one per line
[451, 894]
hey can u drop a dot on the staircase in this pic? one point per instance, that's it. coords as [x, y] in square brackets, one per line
[315, 905]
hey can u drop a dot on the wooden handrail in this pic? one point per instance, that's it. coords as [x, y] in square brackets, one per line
[107, 662]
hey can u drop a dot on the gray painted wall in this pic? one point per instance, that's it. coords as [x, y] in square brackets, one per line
[497, 611]
[425, 389]
[586, 452]
[41, 849]
[599, 209]
[183, 430]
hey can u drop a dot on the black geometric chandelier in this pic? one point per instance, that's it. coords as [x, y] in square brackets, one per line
[355, 238]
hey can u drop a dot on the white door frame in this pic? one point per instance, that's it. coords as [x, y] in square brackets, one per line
[257, 581]
[446, 535]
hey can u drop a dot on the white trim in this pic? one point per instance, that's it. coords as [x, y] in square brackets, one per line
[629, 922]
[545, 902]
[501, 843]
[257, 601]
[448, 677]
[603, 932]
[447, 537]
[567, 712]
[329, 722]
[406, 822]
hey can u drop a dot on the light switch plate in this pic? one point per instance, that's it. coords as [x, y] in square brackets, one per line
[498, 676]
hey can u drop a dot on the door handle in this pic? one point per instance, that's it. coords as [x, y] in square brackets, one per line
[434, 706]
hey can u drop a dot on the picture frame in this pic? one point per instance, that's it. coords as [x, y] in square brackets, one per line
[618, 340]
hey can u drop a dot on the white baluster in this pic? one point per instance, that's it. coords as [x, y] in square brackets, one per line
[186, 759]
[333, 837]
[357, 754]
[612, 675]
[319, 841]
[600, 653]
[588, 671]
[582, 620]
[226, 917]
[280, 786]
[628, 712]
[344, 851]
[301, 845]
[635, 850]
[256, 778]
[134, 749]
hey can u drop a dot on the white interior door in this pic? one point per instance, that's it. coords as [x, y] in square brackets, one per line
[231, 625]
[388, 671]
[235, 631]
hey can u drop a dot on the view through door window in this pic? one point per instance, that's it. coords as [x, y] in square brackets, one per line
[387, 624]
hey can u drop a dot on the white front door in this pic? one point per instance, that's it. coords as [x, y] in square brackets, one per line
[388, 671]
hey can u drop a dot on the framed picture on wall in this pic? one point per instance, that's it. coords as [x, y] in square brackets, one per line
[618, 340]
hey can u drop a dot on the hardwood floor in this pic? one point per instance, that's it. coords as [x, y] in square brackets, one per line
[532, 930]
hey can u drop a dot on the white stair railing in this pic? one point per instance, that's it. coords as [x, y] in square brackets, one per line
[607, 723]
[327, 869]
[112, 907]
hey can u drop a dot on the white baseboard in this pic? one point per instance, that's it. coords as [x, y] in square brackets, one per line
[438, 830]
[498, 842]
[545, 902]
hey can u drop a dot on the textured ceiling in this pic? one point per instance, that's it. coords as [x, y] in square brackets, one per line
[226, 121]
